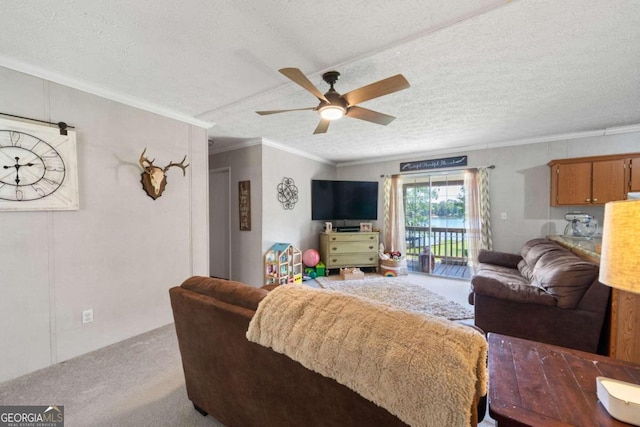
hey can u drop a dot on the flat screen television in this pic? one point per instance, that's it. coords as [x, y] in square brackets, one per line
[344, 200]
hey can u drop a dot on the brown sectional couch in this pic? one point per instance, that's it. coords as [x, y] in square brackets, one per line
[244, 384]
[546, 294]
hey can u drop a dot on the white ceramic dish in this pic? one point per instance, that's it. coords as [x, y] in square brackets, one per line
[620, 399]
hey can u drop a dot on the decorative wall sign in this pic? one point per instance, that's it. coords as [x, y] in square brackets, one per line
[38, 168]
[244, 199]
[448, 162]
[287, 193]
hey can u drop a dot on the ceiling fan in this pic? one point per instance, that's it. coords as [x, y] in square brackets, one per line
[334, 106]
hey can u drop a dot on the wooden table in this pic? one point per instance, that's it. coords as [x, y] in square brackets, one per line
[536, 384]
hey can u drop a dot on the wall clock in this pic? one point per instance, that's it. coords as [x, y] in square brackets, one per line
[38, 168]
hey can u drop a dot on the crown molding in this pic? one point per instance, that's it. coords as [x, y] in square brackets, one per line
[235, 146]
[296, 152]
[525, 141]
[131, 101]
[622, 129]
[269, 143]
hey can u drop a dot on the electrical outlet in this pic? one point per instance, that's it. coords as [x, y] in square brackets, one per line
[87, 316]
[503, 215]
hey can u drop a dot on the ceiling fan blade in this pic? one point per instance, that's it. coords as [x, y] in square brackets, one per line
[322, 126]
[377, 89]
[264, 113]
[369, 115]
[297, 77]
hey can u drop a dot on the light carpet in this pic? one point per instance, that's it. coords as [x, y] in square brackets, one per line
[136, 382]
[398, 292]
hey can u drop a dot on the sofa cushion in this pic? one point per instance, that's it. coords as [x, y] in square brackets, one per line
[565, 276]
[525, 271]
[524, 252]
[535, 248]
[503, 259]
[507, 283]
[508, 273]
[228, 291]
[513, 288]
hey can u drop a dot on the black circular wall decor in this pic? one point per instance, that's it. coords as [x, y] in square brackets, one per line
[287, 193]
[30, 168]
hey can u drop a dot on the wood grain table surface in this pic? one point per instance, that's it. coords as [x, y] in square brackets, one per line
[536, 384]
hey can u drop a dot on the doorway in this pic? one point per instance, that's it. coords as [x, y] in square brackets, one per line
[436, 232]
[219, 223]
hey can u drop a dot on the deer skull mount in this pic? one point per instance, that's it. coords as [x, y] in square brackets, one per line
[154, 178]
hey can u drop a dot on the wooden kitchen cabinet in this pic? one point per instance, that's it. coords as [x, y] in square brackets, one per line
[572, 184]
[607, 181]
[591, 180]
[634, 172]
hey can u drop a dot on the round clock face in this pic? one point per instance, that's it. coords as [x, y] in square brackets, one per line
[30, 168]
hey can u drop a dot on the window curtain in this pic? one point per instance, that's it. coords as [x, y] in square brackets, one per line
[477, 213]
[394, 231]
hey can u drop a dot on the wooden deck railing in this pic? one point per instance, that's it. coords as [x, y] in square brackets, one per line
[448, 245]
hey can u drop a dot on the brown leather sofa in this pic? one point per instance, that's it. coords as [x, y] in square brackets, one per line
[244, 384]
[545, 294]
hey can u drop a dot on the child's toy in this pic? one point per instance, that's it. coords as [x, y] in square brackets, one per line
[282, 265]
[320, 269]
[310, 257]
[351, 274]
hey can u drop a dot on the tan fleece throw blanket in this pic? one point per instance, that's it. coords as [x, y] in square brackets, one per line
[423, 369]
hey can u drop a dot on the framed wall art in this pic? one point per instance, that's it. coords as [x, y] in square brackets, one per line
[38, 168]
[366, 226]
[244, 200]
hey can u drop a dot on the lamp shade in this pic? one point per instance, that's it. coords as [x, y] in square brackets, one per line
[620, 256]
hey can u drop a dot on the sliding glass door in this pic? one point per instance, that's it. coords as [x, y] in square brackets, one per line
[435, 224]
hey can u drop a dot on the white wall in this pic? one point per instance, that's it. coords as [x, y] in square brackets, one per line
[120, 253]
[265, 166]
[291, 226]
[520, 183]
[244, 164]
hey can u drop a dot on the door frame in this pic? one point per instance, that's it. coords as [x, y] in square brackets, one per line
[226, 169]
[429, 178]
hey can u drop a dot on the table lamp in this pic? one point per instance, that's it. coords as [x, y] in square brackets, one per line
[619, 268]
[620, 256]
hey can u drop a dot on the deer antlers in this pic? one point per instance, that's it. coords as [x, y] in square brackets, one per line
[143, 159]
[181, 165]
[154, 178]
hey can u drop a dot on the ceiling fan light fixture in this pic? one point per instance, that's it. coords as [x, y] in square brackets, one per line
[334, 106]
[332, 112]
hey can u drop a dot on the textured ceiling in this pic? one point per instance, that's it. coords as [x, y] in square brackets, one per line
[481, 71]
